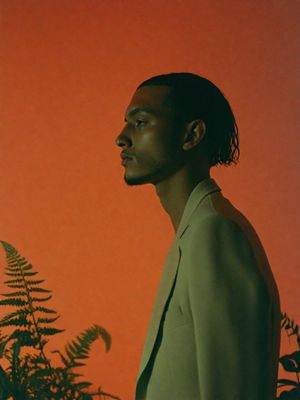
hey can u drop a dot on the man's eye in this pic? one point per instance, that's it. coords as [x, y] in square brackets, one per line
[140, 122]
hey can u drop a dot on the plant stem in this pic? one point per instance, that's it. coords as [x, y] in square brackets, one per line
[32, 311]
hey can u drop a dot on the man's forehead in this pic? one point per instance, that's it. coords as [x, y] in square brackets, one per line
[151, 97]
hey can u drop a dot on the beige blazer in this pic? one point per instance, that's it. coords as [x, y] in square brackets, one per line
[214, 333]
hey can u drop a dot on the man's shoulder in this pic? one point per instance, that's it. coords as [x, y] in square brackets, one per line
[223, 229]
[218, 216]
[217, 246]
[214, 226]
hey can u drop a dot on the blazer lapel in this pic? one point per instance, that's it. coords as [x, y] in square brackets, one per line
[165, 286]
[170, 268]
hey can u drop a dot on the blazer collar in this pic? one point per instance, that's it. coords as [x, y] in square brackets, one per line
[200, 191]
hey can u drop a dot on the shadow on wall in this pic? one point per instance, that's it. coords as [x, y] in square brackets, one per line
[32, 376]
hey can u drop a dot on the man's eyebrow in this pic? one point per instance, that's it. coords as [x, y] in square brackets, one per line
[136, 110]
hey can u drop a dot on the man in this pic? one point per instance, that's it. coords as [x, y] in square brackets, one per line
[214, 332]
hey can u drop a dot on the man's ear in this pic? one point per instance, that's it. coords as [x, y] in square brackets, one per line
[195, 131]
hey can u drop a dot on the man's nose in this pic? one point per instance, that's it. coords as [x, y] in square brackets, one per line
[122, 139]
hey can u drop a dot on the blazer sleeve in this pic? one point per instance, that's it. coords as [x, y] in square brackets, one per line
[230, 307]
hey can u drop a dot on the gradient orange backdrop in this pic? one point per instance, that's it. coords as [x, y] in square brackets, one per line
[68, 70]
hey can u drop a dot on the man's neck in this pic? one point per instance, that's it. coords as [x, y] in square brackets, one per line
[175, 191]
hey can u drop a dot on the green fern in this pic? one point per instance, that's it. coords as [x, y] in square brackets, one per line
[290, 362]
[28, 315]
[79, 348]
[32, 376]
[289, 324]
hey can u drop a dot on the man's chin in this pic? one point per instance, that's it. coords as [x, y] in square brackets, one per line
[139, 180]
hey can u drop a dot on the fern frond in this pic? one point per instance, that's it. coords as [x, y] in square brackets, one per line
[50, 331]
[21, 270]
[20, 262]
[45, 310]
[40, 290]
[17, 333]
[75, 364]
[13, 281]
[38, 360]
[37, 282]
[80, 349]
[47, 320]
[21, 321]
[13, 302]
[76, 348]
[64, 360]
[74, 374]
[3, 338]
[20, 274]
[14, 294]
[25, 337]
[5, 383]
[289, 324]
[16, 286]
[27, 267]
[38, 299]
[33, 376]
[82, 385]
[70, 355]
[3, 342]
[29, 273]
[21, 311]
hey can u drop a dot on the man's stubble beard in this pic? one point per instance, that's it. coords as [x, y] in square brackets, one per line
[142, 179]
[159, 171]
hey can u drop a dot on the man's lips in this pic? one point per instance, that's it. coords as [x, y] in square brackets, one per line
[126, 160]
[125, 155]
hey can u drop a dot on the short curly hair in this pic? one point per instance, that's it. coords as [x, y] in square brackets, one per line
[195, 97]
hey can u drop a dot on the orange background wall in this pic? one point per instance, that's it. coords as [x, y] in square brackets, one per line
[68, 70]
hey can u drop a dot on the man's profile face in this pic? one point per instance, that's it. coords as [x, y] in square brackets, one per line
[151, 135]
